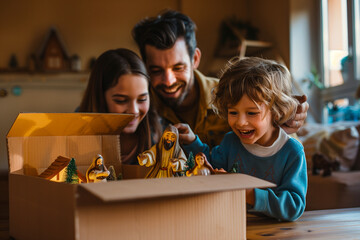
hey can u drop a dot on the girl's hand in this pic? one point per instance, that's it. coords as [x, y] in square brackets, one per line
[186, 135]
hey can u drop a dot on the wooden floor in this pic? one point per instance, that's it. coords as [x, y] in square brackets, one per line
[4, 207]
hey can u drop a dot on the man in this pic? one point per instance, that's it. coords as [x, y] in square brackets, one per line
[166, 157]
[179, 91]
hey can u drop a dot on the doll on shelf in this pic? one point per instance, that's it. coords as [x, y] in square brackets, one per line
[166, 157]
[202, 166]
[97, 172]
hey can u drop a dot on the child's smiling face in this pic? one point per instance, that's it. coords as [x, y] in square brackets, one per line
[129, 95]
[251, 122]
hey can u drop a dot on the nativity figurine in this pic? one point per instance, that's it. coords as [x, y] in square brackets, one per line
[97, 172]
[166, 158]
[202, 166]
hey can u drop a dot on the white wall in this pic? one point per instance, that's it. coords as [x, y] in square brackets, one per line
[272, 19]
[305, 49]
[87, 27]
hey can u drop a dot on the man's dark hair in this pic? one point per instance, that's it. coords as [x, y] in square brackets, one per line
[163, 31]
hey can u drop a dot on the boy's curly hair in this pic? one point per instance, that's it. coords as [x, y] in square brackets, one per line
[263, 81]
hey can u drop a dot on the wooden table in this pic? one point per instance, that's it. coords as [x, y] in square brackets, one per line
[320, 224]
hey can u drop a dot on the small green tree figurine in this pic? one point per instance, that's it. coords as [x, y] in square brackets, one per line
[234, 168]
[190, 163]
[71, 172]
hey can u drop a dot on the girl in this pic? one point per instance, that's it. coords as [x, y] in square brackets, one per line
[119, 83]
[254, 95]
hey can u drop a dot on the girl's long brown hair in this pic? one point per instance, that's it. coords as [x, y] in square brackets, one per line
[106, 71]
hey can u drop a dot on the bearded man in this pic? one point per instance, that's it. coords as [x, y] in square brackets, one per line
[166, 157]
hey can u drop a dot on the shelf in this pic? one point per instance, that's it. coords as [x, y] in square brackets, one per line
[39, 80]
[254, 43]
[239, 46]
[246, 48]
[242, 47]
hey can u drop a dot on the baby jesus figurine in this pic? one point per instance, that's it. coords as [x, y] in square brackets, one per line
[166, 157]
[202, 166]
[97, 172]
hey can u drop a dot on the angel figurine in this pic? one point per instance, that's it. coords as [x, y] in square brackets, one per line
[166, 157]
[97, 172]
[202, 166]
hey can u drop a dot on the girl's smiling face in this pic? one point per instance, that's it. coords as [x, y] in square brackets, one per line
[129, 95]
[251, 122]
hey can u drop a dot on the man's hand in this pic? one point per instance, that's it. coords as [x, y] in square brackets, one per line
[293, 125]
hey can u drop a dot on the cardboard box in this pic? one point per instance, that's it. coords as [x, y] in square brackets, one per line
[202, 207]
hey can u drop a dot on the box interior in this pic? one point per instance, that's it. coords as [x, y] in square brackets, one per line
[36, 139]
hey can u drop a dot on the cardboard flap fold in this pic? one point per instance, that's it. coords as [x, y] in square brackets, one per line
[166, 187]
[68, 124]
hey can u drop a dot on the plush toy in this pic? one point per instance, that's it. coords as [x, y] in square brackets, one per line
[320, 162]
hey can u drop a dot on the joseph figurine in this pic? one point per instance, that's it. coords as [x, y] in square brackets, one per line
[166, 157]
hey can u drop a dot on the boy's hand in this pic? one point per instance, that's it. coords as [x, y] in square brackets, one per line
[293, 125]
[250, 196]
[186, 135]
[221, 170]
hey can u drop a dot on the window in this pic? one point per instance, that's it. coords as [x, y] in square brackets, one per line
[335, 35]
[341, 65]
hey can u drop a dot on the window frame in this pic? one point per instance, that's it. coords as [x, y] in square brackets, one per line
[348, 88]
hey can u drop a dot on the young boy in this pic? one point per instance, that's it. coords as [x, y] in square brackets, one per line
[254, 95]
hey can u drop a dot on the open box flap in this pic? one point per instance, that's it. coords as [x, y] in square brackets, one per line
[165, 187]
[68, 124]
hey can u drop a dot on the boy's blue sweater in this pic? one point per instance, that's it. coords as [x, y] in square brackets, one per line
[287, 169]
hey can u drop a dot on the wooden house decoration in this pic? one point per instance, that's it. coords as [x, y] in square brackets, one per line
[53, 55]
[57, 171]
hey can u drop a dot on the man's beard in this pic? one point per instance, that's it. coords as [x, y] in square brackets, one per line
[173, 102]
[168, 145]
